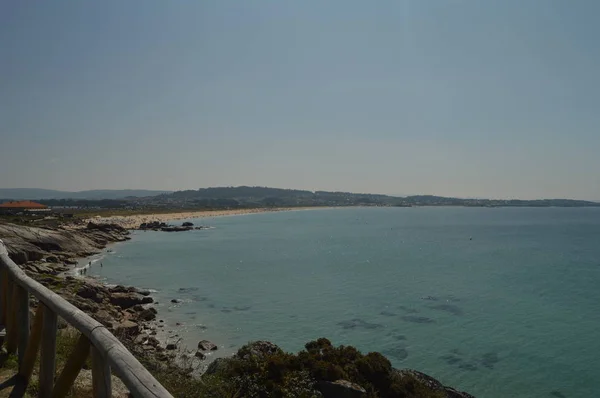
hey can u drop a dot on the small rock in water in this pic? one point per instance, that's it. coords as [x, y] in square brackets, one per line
[176, 301]
[359, 323]
[206, 345]
[453, 309]
[417, 319]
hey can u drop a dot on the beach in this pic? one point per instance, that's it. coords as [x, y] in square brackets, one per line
[134, 221]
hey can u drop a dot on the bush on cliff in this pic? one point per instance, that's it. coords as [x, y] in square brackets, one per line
[281, 374]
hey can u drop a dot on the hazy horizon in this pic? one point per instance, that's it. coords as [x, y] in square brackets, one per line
[450, 98]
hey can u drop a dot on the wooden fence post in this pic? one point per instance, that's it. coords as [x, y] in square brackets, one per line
[26, 367]
[72, 367]
[23, 321]
[48, 354]
[2, 296]
[12, 333]
[100, 375]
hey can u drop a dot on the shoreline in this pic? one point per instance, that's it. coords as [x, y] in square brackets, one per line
[131, 314]
[134, 221]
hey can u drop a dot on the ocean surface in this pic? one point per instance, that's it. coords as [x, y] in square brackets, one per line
[499, 302]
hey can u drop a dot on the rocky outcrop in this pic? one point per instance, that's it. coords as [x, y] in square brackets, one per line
[57, 245]
[176, 229]
[432, 384]
[128, 300]
[257, 349]
[340, 389]
[154, 225]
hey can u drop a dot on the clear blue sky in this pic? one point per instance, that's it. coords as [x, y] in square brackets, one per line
[463, 98]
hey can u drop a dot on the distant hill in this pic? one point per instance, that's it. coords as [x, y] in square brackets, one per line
[37, 194]
[252, 197]
[244, 196]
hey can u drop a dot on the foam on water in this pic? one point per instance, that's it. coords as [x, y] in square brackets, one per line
[498, 302]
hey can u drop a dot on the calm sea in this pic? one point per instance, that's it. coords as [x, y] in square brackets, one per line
[500, 302]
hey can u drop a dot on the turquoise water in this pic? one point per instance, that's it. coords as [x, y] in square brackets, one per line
[499, 302]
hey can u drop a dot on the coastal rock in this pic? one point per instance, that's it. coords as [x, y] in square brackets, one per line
[217, 366]
[431, 383]
[171, 346]
[187, 224]
[141, 339]
[200, 354]
[52, 259]
[258, 349]
[175, 229]
[26, 243]
[128, 300]
[148, 314]
[206, 345]
[85, 305]
[90, 292]
[128, 328]
[340, 389]
[122, 289]
[104, 318]
[176, 301]
[153, 225]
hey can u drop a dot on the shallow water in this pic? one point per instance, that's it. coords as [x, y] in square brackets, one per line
[498, 302]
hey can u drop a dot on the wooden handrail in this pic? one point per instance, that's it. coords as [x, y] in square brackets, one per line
[108, 353]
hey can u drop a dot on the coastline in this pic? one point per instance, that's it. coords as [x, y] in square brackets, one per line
[130, 313]
[134, 221]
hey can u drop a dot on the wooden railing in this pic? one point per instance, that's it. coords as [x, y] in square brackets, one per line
[107, 352]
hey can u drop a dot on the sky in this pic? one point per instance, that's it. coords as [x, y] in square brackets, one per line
[496, 99]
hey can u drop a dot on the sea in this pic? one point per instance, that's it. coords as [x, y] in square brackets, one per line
[498, 302]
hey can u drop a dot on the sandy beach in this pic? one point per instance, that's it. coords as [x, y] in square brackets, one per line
[134, 221]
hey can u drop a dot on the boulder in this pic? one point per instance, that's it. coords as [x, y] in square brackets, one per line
[187, 224]
[148, 314]
[128, 300]
[104, 318]
[122, 289]
[340, 389]
[52, 259]
[141, 339]
[257, 349]
[176, 301]
[171, 346]
[200, 354]
[431, 383]
[90, 292]
[206, 345]
[147, 300]
[175, 229]
[128, 328]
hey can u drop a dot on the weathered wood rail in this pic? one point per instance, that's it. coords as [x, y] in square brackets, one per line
[107, 353]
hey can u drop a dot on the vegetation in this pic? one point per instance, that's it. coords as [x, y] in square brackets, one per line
[277, 374]
[255, 197]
